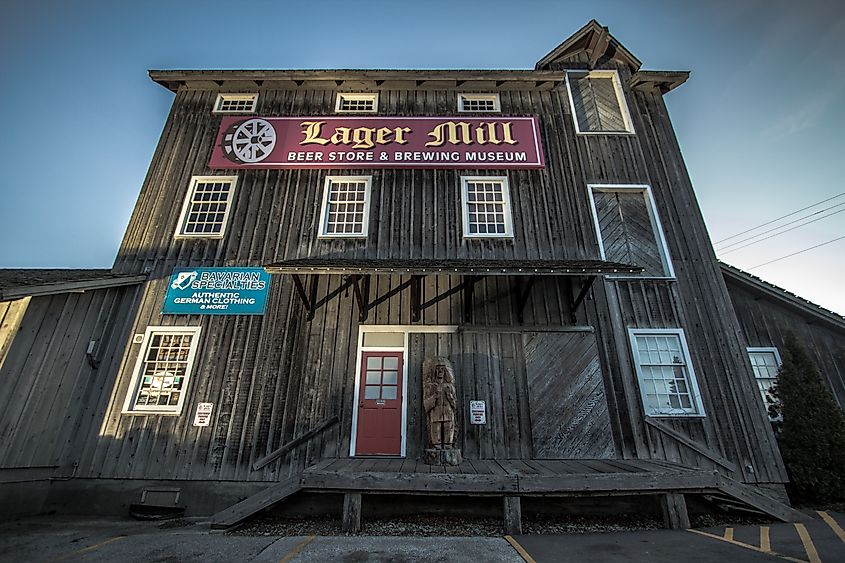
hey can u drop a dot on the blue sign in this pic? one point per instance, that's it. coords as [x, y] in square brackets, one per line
[217, 291]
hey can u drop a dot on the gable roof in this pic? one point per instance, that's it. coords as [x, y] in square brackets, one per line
[763, 288]
[595, 40]
[29, 282]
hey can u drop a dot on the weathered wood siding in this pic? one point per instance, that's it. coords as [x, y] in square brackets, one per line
[569, 417]
[765, 321]
[273, 377]
[50, 395]
[11, 315]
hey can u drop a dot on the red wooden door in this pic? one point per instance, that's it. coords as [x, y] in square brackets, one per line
[379, 429]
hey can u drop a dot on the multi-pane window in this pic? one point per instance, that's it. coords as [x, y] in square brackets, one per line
[235, 103]
[161, 374]
[382, 377]
[486, 207]
[667, 381]
[207, 206]
[478, 103]
[766, 364]
[629, 230]
[346, 203]
[597, 102]
[357, 103]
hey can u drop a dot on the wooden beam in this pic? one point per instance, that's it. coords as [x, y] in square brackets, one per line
[334, 293]
[300, 290]
[382, 298]
[259, 501]
[522, 298]
[512, 508]
[451, 291]
[598, 46]
[362, 296]
[416, 298]
[313, 282]
[352, 513]
[325, 425]
[693, 445]
[673, 506]
[582, 293]
[469, 285]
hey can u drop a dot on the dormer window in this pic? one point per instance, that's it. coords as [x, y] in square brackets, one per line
[356, 103]
[598, 103]
[479, 103]
[235, 103]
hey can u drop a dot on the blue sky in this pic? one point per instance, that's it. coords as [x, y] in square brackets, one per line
[759, 122]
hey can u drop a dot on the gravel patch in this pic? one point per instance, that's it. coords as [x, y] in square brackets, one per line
[444, 526]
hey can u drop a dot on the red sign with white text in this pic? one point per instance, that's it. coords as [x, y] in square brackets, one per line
[377, 142]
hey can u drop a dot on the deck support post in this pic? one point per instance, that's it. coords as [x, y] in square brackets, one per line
[352, 513]
[674, 509]
[512, 507]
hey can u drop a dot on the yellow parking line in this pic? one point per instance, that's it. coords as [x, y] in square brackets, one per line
[87, 549]
[295, 551]
[812, 554]
[837, 529]
[746, 546]
[520, 550]
[765, 542]
[729, 534]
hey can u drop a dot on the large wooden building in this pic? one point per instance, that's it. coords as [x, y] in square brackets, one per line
[304, 240]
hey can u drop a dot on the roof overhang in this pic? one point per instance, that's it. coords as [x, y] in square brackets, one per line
[596, 41]
[660, 80]
[765, 289]
[357, 274]
[35, 287]
[446, 267]
[352, 78]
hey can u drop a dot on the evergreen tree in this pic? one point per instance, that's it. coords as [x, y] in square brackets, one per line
[810, 428]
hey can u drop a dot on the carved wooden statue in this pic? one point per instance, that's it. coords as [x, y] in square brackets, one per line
[439, 401]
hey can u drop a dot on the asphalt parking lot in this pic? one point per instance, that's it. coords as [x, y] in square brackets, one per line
[53, 539]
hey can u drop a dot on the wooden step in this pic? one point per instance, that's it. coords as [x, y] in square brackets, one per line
[237, 513]
[752, 497]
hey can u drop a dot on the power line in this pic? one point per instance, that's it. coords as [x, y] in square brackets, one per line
[780, 233]
[796, 253]
[779, 218]
[786, 224]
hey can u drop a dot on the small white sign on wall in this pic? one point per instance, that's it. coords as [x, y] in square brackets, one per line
[477, 412]
[203, 416]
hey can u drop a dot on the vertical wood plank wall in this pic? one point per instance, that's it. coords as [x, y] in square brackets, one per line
[766, 321]
[273, 377]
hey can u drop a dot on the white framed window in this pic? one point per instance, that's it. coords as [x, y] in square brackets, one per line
[486, 207]
[348, 102]
[765, 361]
[160, 379]
[598, 102]
[628, 228]
[345, 211]
[487, 103]
[207, 206]
[235, 103]
[664, 369]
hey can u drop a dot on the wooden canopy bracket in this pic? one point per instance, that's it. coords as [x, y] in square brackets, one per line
[361, 287]
[461, 287]
[469, 285]
[522, 293]
[582, 294]
[416, 298]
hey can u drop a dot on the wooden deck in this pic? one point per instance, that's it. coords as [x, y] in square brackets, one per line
[516, 476]
[510, 479]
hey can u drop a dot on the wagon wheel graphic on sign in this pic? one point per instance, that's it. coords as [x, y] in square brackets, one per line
[250, 141]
